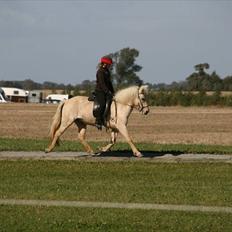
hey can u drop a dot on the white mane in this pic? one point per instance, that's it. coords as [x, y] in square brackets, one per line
[129, 94]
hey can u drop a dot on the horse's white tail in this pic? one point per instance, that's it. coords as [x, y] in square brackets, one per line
[56, 120]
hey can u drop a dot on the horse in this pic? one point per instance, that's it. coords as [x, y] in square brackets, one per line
[79, 110]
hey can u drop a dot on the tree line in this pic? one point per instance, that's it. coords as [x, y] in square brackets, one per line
[125, 72]
[189, 98]
[199, 80]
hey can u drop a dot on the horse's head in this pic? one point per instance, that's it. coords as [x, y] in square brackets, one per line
[134, 97]
[141, 101]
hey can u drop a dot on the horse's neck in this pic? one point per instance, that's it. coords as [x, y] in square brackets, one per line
[123, 110]
[129, 101]
[126, 104]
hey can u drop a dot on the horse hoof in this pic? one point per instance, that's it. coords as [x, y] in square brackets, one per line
[97, 154]
[139, 154]
[102, 149]
[46, 150]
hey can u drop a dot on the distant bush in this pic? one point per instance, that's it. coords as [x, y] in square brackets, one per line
[182, 98]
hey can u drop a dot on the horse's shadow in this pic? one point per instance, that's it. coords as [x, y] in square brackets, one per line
[146, 154]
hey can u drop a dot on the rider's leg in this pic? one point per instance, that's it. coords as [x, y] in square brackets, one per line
[101, 99]
[107, 107]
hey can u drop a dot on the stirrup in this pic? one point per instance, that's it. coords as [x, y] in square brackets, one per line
[98, 124]
[99, 127]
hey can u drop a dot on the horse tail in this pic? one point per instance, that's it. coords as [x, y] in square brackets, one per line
[56, 120]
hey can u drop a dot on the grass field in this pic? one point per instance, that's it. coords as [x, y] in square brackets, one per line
[184, 183]
[40, 219]
[204, 184]
[24, 127]
[9, 144]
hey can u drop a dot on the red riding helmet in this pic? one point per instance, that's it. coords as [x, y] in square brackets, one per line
[106, 60]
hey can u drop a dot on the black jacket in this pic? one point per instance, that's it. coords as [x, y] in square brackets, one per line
[104, 81]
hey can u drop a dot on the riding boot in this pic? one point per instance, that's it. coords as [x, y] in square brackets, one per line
[99, 123]
[100, 108]
[106, 113]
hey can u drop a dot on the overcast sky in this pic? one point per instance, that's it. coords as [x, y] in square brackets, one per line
[62, 41]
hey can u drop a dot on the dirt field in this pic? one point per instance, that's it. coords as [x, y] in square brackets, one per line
[211, 125]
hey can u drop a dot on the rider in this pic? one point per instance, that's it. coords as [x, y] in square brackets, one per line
[104, 90]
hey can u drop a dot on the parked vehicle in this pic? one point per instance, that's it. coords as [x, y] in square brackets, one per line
[35, 96]
[3, 98]
[15, 94]
[56, 98]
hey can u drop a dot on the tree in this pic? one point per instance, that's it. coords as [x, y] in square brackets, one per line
[200, 68]
[202, 81]
[29, 84]
[227, 83]
[193, 82]
[124, 69]
[217, 82]
[88, 86]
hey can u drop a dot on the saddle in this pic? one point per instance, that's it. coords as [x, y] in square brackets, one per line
[92, 96]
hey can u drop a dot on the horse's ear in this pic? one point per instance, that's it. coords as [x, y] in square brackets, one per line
[139, 83]
[144, 89]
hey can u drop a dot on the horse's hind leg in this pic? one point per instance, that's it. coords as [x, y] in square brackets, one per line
[112, 142]
[57, 135]
[82, 130]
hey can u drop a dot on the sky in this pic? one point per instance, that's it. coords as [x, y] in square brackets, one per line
[62, 41]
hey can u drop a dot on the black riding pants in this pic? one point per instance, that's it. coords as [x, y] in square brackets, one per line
[101, 100]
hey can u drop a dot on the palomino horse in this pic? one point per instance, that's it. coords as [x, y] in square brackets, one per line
[80, 110]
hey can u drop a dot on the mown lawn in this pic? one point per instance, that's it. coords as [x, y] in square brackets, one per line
[124, 181]
[59, 219]
[127, 181]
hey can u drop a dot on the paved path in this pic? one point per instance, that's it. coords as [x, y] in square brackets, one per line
[114, 156]
[115, 205]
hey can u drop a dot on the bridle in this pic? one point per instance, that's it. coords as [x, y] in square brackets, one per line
[140, 107]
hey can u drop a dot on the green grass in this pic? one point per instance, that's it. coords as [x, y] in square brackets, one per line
[7, 144]
[124, 181]
[59, 219]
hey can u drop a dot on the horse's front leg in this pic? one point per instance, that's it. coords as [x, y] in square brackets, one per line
[112, 142]
[123, 130]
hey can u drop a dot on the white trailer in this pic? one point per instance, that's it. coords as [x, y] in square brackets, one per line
[16, 94]
[56, 98]
[3, 98]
